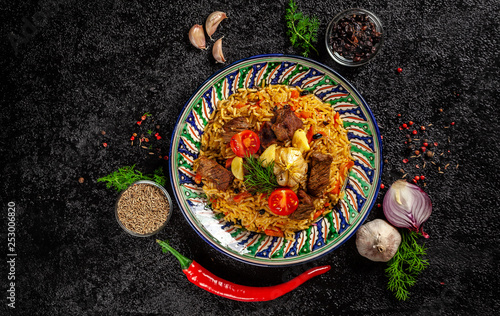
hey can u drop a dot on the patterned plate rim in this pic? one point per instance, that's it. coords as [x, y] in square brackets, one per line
[281, 262]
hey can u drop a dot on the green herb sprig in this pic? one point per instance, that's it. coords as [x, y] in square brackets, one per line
[259, 179]
[125, 176]
[302, 29]
[406, 264]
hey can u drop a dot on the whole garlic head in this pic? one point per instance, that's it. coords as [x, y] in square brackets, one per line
[378, 240]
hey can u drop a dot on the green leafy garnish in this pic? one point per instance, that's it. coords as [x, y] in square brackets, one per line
[406, 264]
[259, 179]
[302, 29]
[150, 132]
[125, 176]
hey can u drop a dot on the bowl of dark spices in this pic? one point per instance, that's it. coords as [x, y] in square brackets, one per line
[354, 37]
[143, 209]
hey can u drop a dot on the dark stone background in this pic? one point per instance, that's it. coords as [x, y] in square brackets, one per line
[89, 66]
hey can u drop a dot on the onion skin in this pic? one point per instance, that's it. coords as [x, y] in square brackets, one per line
[407, 206]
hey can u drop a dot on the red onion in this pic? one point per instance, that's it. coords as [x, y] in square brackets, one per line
[407, 206]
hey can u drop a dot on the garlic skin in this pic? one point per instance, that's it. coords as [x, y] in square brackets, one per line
[213, 21]
[197, 36]
[378, 240]
[217, 51]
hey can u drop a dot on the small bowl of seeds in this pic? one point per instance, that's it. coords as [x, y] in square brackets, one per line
[143, 209]
[354, 37]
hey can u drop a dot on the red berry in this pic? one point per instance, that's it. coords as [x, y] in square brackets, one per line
[414, 181]
[411, 123]
[422, 128]
[399, 115]
[132, 138]
[105, 145]
[426, 144]
[422, 177]
[435, 144]
[452, 123]
[165, 157]
[143, 117]
[158, 137]
[417, 178]
[414, 132]
[405, 160]
[379, 205]
[423, 149]
[139, 122]
[405, 126]
[382, 186]
[400, 70]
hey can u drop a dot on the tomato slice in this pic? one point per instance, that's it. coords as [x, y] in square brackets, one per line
[245, 143]
[283, 201]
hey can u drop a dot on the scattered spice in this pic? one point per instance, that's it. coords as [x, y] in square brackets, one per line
[143, 208]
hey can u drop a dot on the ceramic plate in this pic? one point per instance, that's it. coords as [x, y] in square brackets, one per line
[328, 232]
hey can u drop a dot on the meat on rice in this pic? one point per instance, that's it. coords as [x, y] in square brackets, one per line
[212, 171]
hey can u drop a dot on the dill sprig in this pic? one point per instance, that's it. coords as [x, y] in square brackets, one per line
[302, 29]
[406, 264]
[259, 179]
[125, 176]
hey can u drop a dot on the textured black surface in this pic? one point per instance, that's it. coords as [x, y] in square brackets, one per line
[89, 66]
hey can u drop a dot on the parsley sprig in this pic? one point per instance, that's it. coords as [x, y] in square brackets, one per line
[125, 176]
[406, 264]
[259, 179]
[302, 29]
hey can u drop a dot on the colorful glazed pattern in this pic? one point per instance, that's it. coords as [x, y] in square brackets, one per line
[329, 231]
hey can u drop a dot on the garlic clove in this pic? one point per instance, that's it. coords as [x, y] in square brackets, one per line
[197, 36]
[378, 240]
[217, 51]
[213, 22]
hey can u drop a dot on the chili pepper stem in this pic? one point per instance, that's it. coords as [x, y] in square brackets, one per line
[185, 262]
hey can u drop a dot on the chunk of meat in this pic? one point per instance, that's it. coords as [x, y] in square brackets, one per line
[305, 207]
[302, 212]
[319, 177]
[267, 136]
[286, 123]
[212, 171]
[304, 197]
[234, 126]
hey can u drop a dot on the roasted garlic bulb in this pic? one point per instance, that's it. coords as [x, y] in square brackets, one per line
[290, 167]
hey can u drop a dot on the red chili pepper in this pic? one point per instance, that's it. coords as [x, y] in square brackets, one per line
[206, 280]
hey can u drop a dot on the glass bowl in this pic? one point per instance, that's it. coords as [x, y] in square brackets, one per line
[330, 34]
[170, 207]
